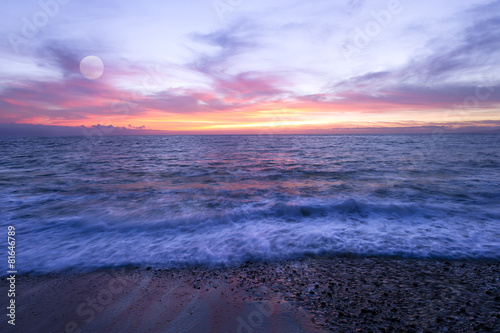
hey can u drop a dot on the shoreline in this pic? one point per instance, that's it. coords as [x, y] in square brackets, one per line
[309, 295]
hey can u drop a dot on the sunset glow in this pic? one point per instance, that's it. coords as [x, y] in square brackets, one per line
[200, 69]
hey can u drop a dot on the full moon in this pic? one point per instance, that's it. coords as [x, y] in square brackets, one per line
[91, 67]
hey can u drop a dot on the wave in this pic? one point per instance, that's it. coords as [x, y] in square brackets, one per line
[152, 217]
[274, 231]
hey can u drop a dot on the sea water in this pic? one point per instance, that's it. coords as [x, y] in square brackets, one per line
[175, 201]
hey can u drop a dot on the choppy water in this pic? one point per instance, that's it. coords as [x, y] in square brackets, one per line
[183, 200]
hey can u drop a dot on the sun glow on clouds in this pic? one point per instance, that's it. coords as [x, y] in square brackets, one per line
[183, 68]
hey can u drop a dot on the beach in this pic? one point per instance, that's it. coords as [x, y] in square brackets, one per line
[308, 295]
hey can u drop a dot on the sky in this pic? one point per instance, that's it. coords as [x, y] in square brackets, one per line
[248, 67]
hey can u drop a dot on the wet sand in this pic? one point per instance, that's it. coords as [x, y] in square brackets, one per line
[311, 295]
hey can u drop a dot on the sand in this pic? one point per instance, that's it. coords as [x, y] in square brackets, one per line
[311, 295]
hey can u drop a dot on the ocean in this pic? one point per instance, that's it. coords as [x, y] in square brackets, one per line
[177, 201]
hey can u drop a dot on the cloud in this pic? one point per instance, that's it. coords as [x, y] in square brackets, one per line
[12, 129]
[231, 41]
[137, 127]
[68, 99]
[478, 49]
[450, 71]
[263, 59]
[63, 56]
